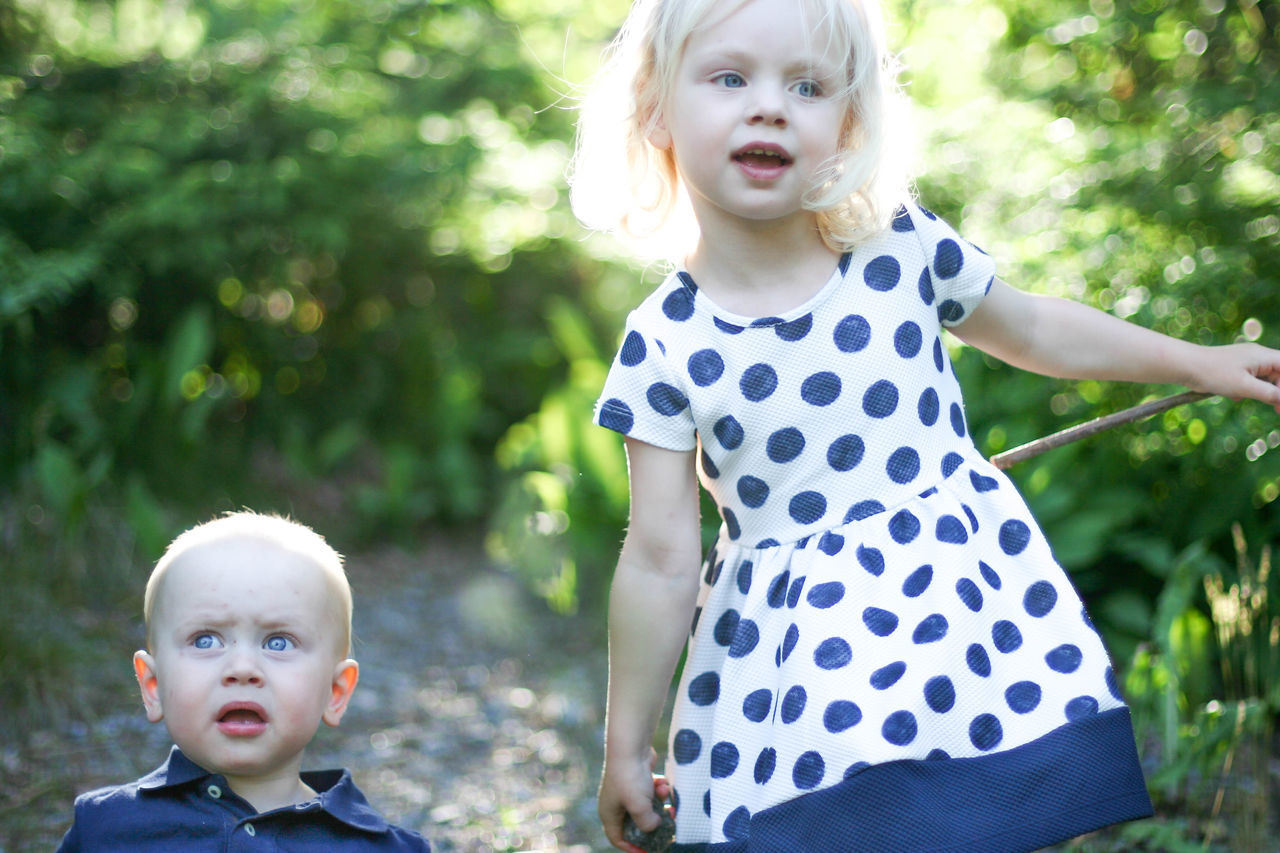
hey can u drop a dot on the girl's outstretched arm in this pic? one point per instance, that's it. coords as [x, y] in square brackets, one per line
[650, 609]
[1058, 337]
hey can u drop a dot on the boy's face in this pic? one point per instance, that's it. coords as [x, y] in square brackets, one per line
[247, 657]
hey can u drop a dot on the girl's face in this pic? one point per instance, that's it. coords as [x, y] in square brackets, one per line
[753, 113]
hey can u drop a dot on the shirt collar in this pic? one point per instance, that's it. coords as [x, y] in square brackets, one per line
[336, 791]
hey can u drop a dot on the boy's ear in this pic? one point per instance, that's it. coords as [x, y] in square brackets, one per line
[144, 667]
[345, 676]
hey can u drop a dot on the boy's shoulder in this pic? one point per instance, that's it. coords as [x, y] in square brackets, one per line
[182, 806]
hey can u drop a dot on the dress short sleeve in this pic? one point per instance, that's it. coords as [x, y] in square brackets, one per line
[643, 397]
[959, 273]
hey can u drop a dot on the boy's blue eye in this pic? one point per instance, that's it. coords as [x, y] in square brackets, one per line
[206, 641]
[278, 644]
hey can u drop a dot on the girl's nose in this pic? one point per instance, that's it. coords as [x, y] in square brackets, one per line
[769, 112]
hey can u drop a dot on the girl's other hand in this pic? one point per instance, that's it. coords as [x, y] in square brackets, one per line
[629, 788]
[1240, 371]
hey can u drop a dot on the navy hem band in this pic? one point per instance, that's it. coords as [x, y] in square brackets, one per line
[1077, 778]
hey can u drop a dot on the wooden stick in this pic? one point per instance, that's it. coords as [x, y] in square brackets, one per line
[1134, 413]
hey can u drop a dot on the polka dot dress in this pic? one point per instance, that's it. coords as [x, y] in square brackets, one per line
[878, 591]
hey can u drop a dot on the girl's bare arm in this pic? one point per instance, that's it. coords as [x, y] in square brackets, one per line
[650, 608]
[1058, 337]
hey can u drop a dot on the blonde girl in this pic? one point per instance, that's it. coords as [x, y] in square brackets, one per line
[882, 653]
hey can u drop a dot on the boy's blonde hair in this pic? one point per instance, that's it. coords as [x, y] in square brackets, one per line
[622, 184]
[283, 533]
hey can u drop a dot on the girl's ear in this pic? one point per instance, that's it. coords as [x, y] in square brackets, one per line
[659, 137]
[345, 676]
[144, 668]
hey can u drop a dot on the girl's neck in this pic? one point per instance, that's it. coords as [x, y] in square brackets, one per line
[760, 272]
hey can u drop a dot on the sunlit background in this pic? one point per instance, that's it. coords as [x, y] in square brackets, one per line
[317, 257]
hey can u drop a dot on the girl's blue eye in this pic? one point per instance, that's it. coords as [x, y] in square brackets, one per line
[206, 641]
[808, 89]
[731, 80]
[278, 644]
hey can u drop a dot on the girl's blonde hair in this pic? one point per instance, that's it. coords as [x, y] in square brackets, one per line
[622, 184]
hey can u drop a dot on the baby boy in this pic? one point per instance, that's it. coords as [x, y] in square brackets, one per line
[248, 635]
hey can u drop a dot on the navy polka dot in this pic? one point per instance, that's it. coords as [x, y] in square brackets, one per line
[633, 350]
[705, 367]
[738, 824]
[758, 382]
[708, 466]
[1065, 658]
[925, 286]
[729, 432]
[820, 389]
[882, 273]
[785, 445]
[840, 716]
[969, 594]
[871, 559]
[705, 689]
[985, 732]
[950, 463]
[832, 653]
[1023, 697]
[790, 640]
[937, 755]
[948, 259]
[744, 639]
[757, 704]
[989, 575]
[724, 760]
[808, 771]
[904, 527]
[940, 694]
[938, 361]
[977, 660]
[900, 728]
[666, 399]
[902, 221]
[726, 627]
[863, 509]
[778, 589]
[1014, 537]
[927, 407]
[794, 330]
[1005, 636]
[1040, 599]
[731, 523]
[950, 312]
[918, 581]
[1112, 687]
[981, 483]
[729, 328]
[903, 465]
[931, 629]
[855, 768]
[907, 340]
[706, 803]
[807, 507]
[793, 594]
[753, 491]
[950, 529]
[686, 746]
[957, 419]
[744, 576]
[826, 595]
[888, 675]
[845, 453]
[765, 763]
[617, 416]
[678, 305]
[880, 622]
[881, 399]
[793, 704]
[852, 334]
[831, 543]
[1081, 707]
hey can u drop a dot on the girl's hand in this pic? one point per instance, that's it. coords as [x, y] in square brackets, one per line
[1240, 371]
[629, 788]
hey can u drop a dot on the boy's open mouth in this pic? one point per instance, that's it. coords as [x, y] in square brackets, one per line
[241, 715]
[242, 718]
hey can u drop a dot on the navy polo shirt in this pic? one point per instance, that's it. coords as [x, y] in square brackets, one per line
[184, 808]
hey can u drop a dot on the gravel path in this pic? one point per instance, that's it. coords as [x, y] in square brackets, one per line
[476, 721]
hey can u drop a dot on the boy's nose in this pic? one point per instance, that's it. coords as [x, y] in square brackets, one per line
[242, 668]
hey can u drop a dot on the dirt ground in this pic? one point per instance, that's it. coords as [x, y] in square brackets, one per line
[476, 721]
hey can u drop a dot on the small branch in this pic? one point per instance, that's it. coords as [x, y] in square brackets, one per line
[1134, 413]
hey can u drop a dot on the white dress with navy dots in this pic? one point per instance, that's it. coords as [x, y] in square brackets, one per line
[878, 591]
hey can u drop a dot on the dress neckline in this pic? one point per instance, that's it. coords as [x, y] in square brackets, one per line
[724, 316]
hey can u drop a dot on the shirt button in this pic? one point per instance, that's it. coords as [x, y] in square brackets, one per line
[215, 791]
[248, 827]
